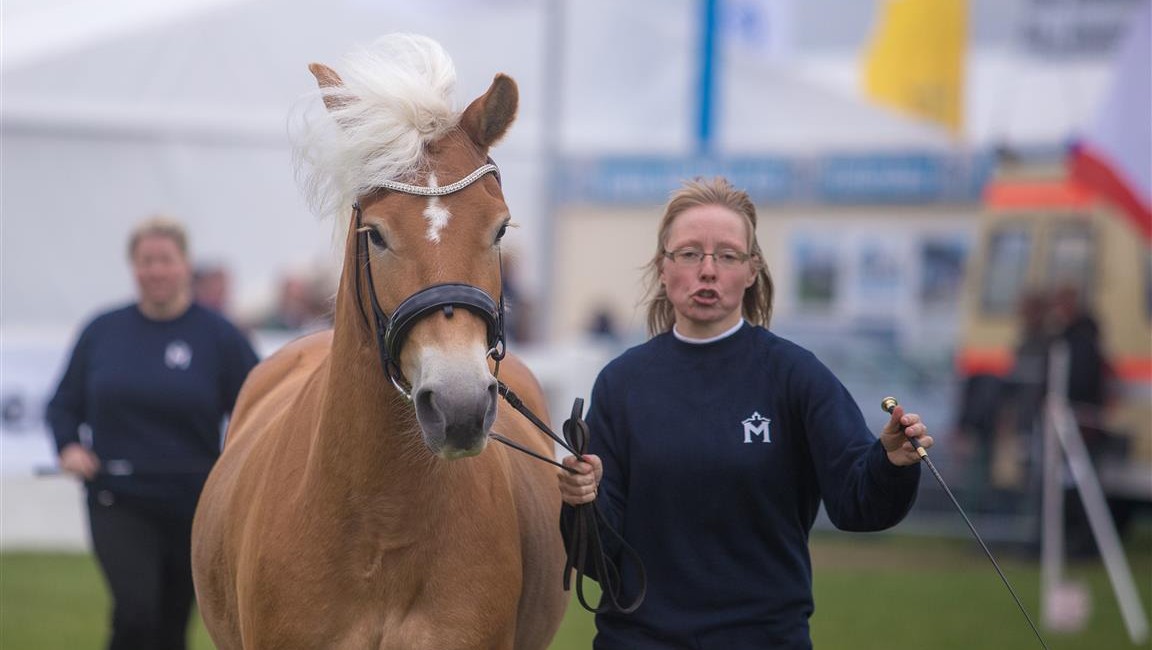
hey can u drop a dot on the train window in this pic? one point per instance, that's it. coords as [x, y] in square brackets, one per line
[1006, 269]
[1072, 258]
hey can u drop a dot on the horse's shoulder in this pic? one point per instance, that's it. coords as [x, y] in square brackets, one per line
[304, 352]
[309, 344]
[272, 382]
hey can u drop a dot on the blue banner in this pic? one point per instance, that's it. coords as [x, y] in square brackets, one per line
[881, 179]
[651, 179]
[910, 177]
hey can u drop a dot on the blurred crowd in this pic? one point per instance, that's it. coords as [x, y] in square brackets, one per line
[304, 299]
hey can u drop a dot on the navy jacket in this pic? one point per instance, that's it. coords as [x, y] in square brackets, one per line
[154, 395]
[716, 459]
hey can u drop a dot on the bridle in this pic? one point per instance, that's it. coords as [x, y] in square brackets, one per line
[391, 331]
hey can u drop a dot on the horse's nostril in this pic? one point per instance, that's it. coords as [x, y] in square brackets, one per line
[493, 400]
[427, 411]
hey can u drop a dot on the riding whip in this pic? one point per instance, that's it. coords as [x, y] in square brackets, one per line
[889, 404]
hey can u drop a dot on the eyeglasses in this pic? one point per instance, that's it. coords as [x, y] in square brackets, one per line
[727, 259]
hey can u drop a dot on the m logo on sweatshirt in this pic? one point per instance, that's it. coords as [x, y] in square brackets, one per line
[757, 426]
[178, 355]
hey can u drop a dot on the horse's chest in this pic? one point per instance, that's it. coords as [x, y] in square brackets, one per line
[394, 625]
[437, 595]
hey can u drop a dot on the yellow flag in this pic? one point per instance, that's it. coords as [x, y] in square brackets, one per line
[915, 62]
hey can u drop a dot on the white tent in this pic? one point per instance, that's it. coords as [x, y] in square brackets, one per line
[115, 109]
[189, 117]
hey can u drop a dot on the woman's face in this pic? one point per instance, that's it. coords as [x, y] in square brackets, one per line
[163, 275]
[707, 296]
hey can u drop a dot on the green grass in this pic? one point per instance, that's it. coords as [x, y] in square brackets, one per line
[872, 592]
[884, 592]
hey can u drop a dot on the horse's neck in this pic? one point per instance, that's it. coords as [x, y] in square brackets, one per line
[366, 439]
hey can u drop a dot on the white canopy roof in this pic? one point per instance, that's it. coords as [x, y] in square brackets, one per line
[117, 108]
[626, 75]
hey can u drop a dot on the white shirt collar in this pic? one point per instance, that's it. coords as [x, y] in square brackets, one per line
[711, 339]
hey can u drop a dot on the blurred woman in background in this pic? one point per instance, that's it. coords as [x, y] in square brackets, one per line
[138, 416]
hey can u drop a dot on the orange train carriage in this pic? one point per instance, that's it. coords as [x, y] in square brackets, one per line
[1040, 230]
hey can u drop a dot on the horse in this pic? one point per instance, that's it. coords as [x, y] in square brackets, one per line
[356, 502]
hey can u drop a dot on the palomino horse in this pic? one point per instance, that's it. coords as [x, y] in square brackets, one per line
[344, 513]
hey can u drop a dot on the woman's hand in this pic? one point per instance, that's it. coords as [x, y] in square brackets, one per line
[78, 460]
[895, 437]
[580, 486]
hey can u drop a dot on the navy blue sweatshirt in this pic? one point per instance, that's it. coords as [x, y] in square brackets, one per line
[154, 394]
[716, 458]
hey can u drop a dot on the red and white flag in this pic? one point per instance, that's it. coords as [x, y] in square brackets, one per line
[1114, 156]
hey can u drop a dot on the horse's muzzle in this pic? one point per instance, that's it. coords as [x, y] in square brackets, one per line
[456, 423]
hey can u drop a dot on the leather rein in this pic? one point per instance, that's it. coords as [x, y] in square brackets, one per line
[391, 332]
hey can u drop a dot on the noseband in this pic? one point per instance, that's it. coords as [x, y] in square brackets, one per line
[391, 332]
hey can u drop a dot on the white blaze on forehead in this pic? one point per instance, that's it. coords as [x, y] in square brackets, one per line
[436, 214]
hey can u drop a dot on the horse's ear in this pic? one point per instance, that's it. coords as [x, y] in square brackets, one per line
[488, 117]
[327, 78]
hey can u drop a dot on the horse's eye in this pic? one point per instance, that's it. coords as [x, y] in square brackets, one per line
[376, 238]
[500, 233]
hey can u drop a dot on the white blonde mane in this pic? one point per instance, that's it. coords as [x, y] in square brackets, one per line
[396, 97]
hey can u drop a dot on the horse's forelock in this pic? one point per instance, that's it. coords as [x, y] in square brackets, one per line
[395, 98]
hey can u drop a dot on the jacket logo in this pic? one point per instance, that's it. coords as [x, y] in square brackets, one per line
[757, 425]
[178, 355]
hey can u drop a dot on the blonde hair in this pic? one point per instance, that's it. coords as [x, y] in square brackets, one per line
[159, 226]
[757, 303]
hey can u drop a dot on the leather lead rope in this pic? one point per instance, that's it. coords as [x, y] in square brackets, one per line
[585, 539]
